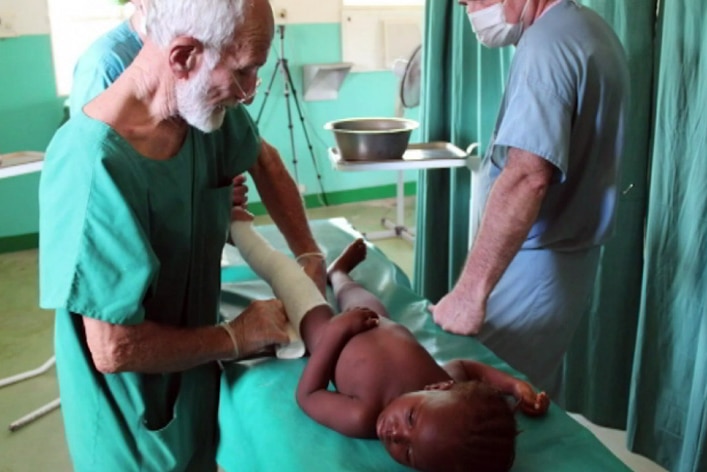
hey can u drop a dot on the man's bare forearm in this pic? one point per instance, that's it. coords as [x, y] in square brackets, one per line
[150, 347]
[511, 210]
[282, 200]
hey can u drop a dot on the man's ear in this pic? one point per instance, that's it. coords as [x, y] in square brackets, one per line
[185, 55]
[446, 385]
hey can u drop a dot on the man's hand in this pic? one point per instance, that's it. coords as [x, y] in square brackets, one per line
[262, 324]
[240, 192]
[529, 402]
[459, 313]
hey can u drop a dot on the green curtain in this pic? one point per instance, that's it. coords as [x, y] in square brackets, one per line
[668, 410]
[599, 362]
[462, 87]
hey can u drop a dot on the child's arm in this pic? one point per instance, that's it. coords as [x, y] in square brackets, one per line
[530, 402]
[343, 413]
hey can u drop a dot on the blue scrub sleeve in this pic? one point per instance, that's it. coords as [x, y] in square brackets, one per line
[102, 63]
[537, 120]
[88, 81]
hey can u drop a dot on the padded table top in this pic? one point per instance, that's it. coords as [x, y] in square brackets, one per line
[263, 429]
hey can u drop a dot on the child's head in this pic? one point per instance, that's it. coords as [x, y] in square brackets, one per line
[450, 427]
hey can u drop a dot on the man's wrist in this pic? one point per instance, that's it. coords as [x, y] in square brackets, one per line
[472, 290]
[236, 348]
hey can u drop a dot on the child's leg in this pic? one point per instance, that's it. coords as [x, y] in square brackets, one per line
[349, 294]
[313, 324]
[298, 293]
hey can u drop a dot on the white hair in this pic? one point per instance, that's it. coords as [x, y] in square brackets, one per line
[212, 22]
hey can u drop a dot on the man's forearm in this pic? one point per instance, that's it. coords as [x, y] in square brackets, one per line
[282, 200]
[512, 208]
[150, 347]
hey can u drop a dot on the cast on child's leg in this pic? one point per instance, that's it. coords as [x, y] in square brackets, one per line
[297, 292]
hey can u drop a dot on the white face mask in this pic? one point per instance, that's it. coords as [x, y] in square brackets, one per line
[491, 27]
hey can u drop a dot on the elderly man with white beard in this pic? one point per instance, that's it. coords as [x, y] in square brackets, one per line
[135, 198]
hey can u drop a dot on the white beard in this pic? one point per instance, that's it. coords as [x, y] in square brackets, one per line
[192, 97]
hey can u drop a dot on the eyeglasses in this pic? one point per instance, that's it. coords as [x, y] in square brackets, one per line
[247, 97]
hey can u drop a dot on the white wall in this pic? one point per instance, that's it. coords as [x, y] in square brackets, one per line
[22, 17]
[306, 11]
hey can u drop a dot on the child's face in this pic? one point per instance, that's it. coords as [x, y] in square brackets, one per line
[418, 429]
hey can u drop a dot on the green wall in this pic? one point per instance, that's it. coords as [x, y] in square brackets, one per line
[361, 94]
[30, 112]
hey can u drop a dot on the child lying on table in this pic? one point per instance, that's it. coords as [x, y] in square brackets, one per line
[429, 417]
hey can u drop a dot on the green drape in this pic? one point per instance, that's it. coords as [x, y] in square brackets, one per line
[599, 362]
[668, 412]
[462, 87]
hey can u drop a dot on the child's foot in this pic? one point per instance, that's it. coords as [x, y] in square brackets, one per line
[349, 258]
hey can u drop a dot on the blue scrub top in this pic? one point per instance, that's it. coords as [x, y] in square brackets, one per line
[102, 63]
[125, 239]
[566, 101]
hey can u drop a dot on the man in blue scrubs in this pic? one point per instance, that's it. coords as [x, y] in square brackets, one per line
[135, 198]
[106, 58]
[547, 187]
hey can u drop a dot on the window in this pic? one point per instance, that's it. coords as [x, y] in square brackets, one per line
[75, 24]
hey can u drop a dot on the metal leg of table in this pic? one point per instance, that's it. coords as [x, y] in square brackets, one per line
[39, 412]
[35, 415]
[397, 228]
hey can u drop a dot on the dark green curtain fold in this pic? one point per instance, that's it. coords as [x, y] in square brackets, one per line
[639, 359]
[668, 409]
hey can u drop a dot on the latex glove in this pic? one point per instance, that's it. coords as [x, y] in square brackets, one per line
[459, 313]
[240, 192]
[529, 402]
[262, 324]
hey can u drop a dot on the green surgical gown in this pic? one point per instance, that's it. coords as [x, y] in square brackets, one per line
[125, 239]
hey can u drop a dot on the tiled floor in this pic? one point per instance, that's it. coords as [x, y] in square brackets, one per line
[26, 343]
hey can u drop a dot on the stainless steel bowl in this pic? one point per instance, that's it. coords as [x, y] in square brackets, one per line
[372, 139]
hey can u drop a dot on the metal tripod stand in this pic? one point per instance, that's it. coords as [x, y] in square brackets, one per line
[283, 68]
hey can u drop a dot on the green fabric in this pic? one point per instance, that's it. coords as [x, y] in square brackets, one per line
[263, 429]
[668, 412]
[599, 362]
[462, 87]
[125, 239]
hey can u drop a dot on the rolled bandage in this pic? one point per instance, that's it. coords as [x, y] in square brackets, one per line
[297, 292]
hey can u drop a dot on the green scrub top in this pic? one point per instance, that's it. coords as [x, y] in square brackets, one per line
[124, 239]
